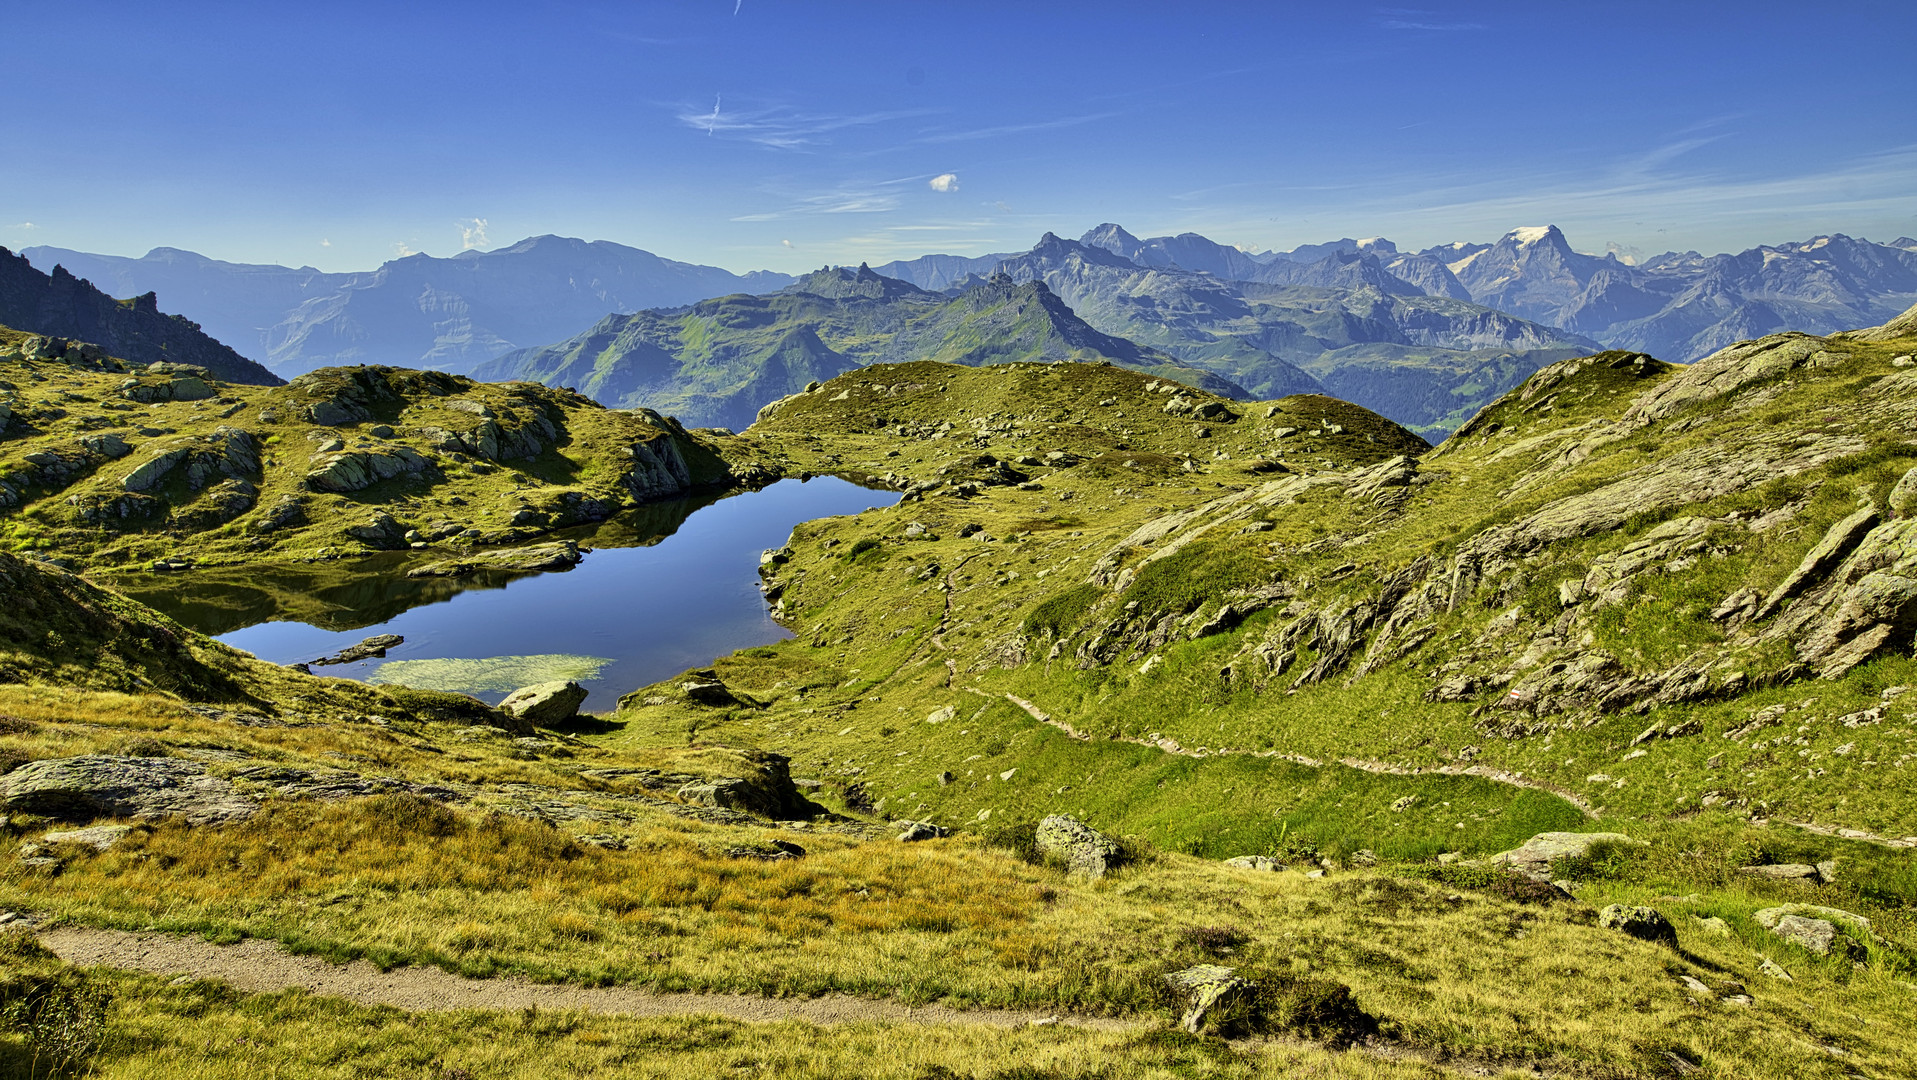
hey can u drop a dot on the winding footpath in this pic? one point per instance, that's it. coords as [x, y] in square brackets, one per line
[1169, 746]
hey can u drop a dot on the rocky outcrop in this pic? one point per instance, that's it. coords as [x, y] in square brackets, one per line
[63, 306]
[537, 558]
[156, 788]
[1077, 846]
[360, 469]
[83, 788]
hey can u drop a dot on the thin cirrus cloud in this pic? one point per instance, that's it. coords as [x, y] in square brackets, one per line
[1419, 19]
[1011, 129]
[780, 127]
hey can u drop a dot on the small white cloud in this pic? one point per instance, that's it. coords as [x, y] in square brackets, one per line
[326, 243]
[472, 233]
[1003, 206]
[945, 182]
[26, 226]
[401, 250]
[787, 243]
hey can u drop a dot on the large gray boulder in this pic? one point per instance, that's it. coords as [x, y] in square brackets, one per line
[546, 704]
[1533, 857]
[97, 786]
[1083, 849]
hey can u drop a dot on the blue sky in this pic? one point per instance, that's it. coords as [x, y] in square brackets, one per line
[785, 135]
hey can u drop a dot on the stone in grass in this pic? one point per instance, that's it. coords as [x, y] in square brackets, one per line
[1208, 988]
[1254, 862]
[1815, 928]
[1643, 923]
[910, 831]
[99, 837]
[1533, 858]
[546, 704]
[1083, 849]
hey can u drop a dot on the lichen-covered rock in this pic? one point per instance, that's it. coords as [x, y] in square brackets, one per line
[1081, 848]
[99, 837]
[99, 786]
[360, 469]
[1208, 988]
[1815, 927]
[1643, 923]
[1255, 862]
[1533, 858]
[545, 704]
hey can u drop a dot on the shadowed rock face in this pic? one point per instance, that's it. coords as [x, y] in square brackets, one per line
[83, 788]
[64, 306]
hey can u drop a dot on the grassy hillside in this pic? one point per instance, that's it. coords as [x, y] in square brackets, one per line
[105, 465]
[1628, 597]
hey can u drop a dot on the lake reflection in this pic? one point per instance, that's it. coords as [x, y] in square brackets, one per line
[680, 589]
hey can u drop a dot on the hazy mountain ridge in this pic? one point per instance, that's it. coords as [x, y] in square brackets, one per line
[1264, 334]
[58, 304]
[419, 311]
[717, 362]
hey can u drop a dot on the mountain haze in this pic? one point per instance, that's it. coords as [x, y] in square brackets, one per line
[419, 311]
[61, 305]
[716, 363]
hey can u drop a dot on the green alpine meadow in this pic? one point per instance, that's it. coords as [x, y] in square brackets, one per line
[958, 542]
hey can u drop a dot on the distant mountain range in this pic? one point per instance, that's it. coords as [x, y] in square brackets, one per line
[61, 305]
[418, 311]
[717, 362]
[1424, 337]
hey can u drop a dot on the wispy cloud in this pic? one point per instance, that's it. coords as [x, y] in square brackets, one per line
[1419, 19]
[401, 249]
[25, 226]
[1002, 130]
[945, 183]
[472, 233]
[326, 243]
[780, 127]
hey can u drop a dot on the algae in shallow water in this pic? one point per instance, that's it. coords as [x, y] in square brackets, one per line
[500, 674]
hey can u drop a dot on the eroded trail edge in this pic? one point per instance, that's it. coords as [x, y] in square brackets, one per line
[257, 965]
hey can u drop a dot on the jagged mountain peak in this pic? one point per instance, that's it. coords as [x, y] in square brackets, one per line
[842, 282]
[1113, 238]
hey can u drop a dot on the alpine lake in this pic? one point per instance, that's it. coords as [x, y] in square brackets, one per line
[662, 589]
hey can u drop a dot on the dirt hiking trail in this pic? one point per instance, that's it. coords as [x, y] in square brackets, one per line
[256, 965]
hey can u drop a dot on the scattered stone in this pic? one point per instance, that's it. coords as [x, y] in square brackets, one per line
[1533, 858]
[99, 837]
[1315, 874]
[1205, 988]
[704, 688]
[1696, 986]
[546, 704]
[1083, 849]
[1713, 925]
[1643, 923]
[368, 649]
[912, 831]
[1255, 862]
[1782, 872]
[1770, 967]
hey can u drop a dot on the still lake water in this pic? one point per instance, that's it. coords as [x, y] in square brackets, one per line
[680, 589]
